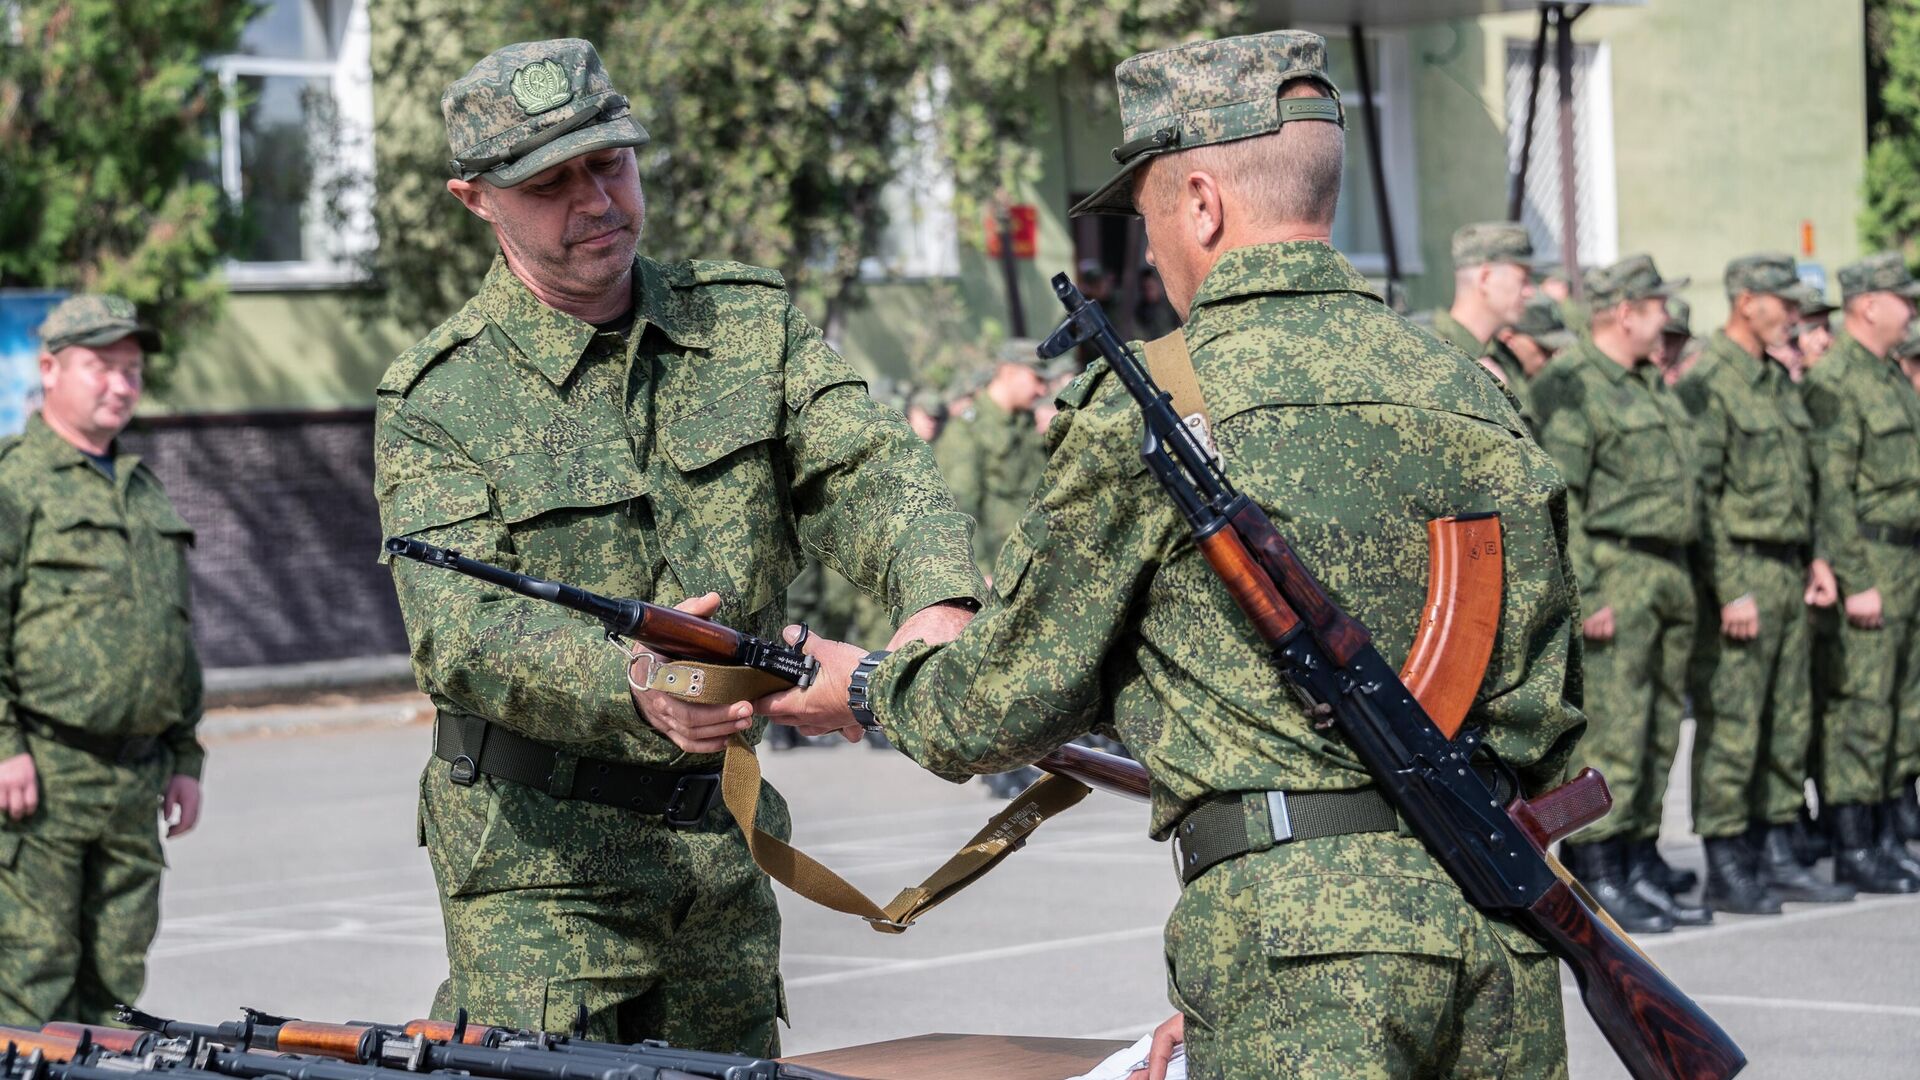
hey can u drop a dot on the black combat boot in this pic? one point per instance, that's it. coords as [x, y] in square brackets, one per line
[1783, 875]
[1731, 882]
[1856, 858]
[1810, 841]
[1601, 867]
[1644, 856]
[1886, 821]
[1909, 811]
[1643, 882]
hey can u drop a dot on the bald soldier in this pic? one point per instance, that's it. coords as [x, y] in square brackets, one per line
[1625, 446]
[1750, 680]
[1327, 952]
[675, 432]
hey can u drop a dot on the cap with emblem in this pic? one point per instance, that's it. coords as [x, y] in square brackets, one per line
[1679, 318]
[1492, 242]
[530, 106]
[1771, 274]
[1540, 320]
[1885, 272]
[1210, 92]
[1632, 278]
[95, 319]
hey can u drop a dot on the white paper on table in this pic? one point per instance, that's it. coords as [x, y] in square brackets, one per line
[1121, 1063]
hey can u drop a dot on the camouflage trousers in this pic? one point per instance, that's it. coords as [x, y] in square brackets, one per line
[1869, 687]
[551, 906]
[1356, 957]
[1753, 705]
[1636, 686]
[79, 888]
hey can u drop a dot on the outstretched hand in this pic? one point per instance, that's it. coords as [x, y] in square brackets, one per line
[819, 709]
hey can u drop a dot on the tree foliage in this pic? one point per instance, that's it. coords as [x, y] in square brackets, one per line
[106, 120]
[775, 126]
[1891, 216]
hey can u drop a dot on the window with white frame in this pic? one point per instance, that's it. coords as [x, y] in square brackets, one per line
[1595, 198]
[295, 149]
[1356, 225]
[921, 237]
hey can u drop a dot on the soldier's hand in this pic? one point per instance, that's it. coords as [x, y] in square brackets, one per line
[1165, 1037]
[821, 708]
[697, 729]
[936, 624]
[1822, 588]
[1599, 625]
[180, 808]
[1863, 609]
[19, 786]
[1740, 620]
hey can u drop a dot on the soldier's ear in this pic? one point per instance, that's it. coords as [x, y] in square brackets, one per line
[472, 196]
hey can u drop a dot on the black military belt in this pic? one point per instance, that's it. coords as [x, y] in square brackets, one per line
[1216, 830]
[113, 749]
[1793, 554]
[1889, 534]
[1664, 549]
[475, 747]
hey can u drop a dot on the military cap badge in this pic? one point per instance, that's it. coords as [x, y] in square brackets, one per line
[541, 86]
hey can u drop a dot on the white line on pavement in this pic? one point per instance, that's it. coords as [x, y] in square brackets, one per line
[1811, 913]
[978, 956]
[1800, 1004]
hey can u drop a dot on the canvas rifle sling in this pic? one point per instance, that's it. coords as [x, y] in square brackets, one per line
[1004, 833]
[1172, 369]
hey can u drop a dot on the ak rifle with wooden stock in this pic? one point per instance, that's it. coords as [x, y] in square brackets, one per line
[1494, 848]
[678, 635]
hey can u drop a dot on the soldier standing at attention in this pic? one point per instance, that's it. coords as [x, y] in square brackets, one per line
[1342, 952]
[1752, 698]
[1866, 461]
[1492, 282]
[1624, 444]
[99, 682]
[672, 432]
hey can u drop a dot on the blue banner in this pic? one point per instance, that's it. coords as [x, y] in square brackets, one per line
[21, 313]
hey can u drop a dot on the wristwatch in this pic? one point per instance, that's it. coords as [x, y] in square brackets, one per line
[857, 699]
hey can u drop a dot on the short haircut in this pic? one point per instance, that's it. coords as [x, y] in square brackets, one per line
[1289, 176]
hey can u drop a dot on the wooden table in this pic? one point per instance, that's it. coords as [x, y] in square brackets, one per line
[953, 1057]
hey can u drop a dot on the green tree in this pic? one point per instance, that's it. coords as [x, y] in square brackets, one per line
[775, 126]
[106, 115]
[1891, 216]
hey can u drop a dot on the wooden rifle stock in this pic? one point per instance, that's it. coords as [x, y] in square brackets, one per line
[113, 1040]
[55, 1048]
[342, 1042]
[442, 1031]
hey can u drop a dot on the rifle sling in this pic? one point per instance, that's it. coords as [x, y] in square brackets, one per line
[1172, 369]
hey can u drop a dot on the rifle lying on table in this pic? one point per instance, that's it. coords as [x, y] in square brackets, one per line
[1490, 847]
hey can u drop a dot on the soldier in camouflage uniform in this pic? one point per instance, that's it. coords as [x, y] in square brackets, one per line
[1866, 461]
[1492, 283]
[1752, 700]
[99, 683]
[673, 432]
[1352, 954]
[1624, 444]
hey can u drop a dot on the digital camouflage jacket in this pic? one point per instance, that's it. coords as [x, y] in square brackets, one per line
[1866, 453]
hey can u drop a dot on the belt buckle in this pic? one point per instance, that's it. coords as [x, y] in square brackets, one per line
[1277, 815]
[137, 751]
[681, 816]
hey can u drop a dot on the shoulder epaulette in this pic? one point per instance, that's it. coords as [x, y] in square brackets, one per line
[701, 272]
[407, 368]
[8, 443]
[1077, 393]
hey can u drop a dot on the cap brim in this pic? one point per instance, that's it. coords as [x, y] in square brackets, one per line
[1116, 195]
[1555, 340]
[1911, 290]
[1668, 289]
[620, 131]
[148, 338]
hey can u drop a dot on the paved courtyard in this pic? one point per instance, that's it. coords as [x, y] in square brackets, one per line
[303, 893]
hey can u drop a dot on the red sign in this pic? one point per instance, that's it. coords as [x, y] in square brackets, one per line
[1024, 219]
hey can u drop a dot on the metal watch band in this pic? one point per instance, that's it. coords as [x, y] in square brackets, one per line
[857, 700]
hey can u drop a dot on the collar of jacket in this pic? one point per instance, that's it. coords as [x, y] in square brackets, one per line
[1754, 369]
[1591, 354]
[58, 453]
[1291, 266]
[553, 341]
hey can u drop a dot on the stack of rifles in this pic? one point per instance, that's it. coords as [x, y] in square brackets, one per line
[279, 1048]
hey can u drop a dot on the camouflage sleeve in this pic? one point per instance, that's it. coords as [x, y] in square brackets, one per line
[1567, 436]
[1027, 675]
[1712, 437]
[520, 662]
[183, 738]
[13, 543]
[867, 498]
[1836, 446]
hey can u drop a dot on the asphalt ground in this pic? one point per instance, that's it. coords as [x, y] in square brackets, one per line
[302, 893]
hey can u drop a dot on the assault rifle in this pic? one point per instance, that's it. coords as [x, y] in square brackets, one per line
[682, 636]
[1487, 844]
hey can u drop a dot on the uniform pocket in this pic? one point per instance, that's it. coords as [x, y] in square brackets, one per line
[1645, 454]
[1758, 459]
[1892, 453]
[80, 550]
[727, 513]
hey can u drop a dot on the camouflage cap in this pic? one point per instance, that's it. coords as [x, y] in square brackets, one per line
[1679, 318]
[1022, 351]
[1885, 272]
[931, 402]
[1813, 303]
[1210, 92]
[1771, 274]
[1492, 242]
[1632, 278]
[530, 106]
[1540, 320]
[95, 319]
